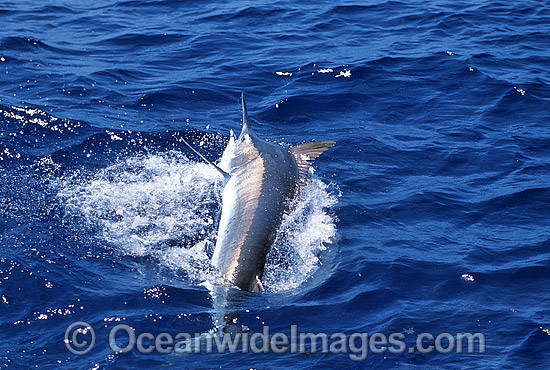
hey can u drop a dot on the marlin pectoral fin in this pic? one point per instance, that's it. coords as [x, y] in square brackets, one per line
[305, 154]
[225, 174]
[258, 287]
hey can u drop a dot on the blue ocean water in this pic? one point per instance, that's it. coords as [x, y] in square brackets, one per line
[431, 213]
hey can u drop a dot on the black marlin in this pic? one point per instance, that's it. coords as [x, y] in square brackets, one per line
[262, 178]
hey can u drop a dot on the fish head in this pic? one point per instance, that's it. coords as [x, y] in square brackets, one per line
[241, 150]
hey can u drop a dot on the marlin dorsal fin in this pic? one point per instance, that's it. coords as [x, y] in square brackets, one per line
[305, 154]
[225, 174]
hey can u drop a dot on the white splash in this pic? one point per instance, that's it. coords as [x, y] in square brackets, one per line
[304, 234]
[346, 73]
[167, 207]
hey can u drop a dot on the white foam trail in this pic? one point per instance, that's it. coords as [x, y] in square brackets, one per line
[166, 207]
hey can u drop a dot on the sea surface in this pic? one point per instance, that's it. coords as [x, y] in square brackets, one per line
[430, 215]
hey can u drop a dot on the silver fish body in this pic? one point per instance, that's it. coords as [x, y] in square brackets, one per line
[263, 178]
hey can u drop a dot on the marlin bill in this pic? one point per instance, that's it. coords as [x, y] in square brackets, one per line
[261, 180]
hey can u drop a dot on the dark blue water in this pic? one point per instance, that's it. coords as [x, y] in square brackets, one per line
[440, 111]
